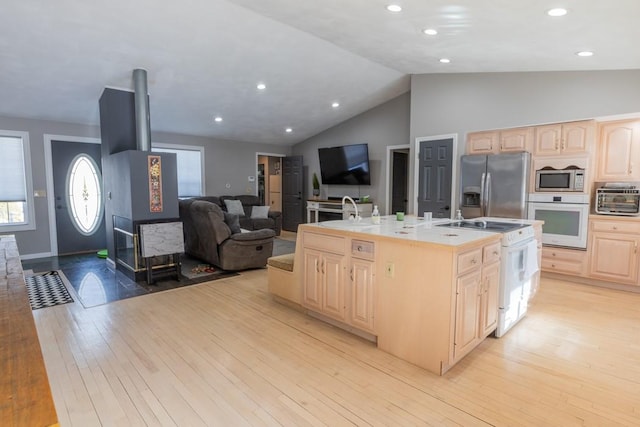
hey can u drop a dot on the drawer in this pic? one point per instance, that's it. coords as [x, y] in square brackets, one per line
[564, 254]
[469, 260]
[560, 266]
[491, 253]
[324, 242]
[616, 226]
[362, 249]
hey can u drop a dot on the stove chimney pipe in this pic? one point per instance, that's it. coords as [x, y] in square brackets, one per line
[143, 122]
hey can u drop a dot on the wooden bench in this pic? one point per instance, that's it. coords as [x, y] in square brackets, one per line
[25, 396]
[282, 280]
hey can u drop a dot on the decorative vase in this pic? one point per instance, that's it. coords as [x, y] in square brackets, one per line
[316, 192]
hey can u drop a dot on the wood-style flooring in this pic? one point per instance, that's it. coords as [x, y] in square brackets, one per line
[224, 353]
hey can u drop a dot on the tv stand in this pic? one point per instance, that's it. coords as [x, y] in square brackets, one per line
[315, 206]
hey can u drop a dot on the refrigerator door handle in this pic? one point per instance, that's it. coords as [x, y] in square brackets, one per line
[487, 195]
[482, 183]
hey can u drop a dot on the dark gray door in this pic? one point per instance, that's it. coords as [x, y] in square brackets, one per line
[292, 201]
[399, 182]
[434, 177]
[72, 238]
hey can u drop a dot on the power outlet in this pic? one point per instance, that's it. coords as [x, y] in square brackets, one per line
[390, 269]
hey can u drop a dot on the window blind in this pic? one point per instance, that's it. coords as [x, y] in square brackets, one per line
[189, 166]
[13, 188]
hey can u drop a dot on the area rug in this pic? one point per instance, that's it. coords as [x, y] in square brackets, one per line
[46, 290]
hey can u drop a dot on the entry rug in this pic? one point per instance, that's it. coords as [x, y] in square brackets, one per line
[46, 290]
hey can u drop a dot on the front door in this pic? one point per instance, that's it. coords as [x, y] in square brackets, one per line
[292, 203]
[434, 185]
[79, 209]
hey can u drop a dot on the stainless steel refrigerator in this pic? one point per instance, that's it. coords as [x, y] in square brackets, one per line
[494, 185]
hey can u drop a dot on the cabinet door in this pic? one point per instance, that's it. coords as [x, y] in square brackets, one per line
[467, 313]
[619, 148]
[275, 200]
[577, 137]
[332, 269]
[482, 142]
[489, 303]
[614, 257]
[361, 294]
[312, 290]
[547, 140]
[519, 139]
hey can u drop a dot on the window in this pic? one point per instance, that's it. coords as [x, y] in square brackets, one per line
[84, 194]
[16, 194]
[190, 167]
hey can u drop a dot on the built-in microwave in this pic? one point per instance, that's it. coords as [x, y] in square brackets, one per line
[556, 180]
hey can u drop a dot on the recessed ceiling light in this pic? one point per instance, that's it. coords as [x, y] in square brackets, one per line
[394, 8]
[430, 31]
[261, 86]
[218, 119]
[557, 11]
[335, 104]
[585, 53]
[445, 60]
[288, 130]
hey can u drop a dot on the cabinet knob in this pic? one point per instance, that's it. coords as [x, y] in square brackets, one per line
[553, 266]
[553, 254]
[615, 227]
[473, 261]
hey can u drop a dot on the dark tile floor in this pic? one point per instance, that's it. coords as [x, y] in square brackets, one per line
[96, 283]
[93, 280]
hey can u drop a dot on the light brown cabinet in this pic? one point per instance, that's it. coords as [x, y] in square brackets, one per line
[565, 261]
[614, 250]
[619, 151]
[329, 290]
[362, 294]
[324, 285]
[476, 309]
[505, 141]
[564, 138]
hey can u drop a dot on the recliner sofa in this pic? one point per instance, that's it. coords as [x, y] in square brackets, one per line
[209, 238]
[273, 220]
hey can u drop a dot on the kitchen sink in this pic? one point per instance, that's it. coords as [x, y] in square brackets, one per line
[496, 226]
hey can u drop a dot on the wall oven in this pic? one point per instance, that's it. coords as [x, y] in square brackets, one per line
[565, 217]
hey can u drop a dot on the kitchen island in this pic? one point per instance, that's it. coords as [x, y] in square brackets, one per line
[425, 293]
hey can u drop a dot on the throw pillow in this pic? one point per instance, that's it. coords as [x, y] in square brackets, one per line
[234, 207]
[260, 212]
[233, 221]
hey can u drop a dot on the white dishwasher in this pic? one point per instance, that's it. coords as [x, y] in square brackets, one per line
[518, 265]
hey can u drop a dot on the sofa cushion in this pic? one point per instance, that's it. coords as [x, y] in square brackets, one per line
[234, 207]
[260, 212]
[232, 221]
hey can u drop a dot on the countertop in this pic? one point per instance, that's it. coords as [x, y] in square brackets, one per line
[417, 229]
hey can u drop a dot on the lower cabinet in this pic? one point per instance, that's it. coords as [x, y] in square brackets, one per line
[476, 308]
[340, 284]
[564, 261]
[614, 250]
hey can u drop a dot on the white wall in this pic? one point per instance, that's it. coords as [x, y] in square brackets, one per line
[384, 125]
[225, 162]
[462, 103]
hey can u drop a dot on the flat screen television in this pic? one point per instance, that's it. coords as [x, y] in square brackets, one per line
[345, 165]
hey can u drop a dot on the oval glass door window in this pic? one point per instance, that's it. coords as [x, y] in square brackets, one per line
[84, 194]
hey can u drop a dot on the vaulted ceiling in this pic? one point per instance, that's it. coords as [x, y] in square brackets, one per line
[205, 57]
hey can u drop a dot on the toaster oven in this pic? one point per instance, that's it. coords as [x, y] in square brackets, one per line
[618, 199]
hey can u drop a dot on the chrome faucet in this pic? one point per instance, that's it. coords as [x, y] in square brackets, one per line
[344, 199]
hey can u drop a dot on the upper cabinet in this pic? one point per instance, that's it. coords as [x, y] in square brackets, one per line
[564, 138]
[619, 151]
[483, 142]
[505, 141]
